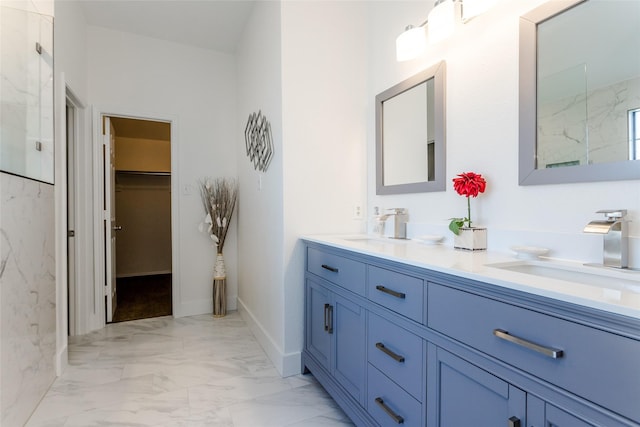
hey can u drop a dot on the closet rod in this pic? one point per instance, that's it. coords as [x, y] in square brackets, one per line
[143, 173]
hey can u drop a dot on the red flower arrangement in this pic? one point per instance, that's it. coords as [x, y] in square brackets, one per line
[468, 184]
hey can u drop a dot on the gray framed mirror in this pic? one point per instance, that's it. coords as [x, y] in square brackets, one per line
[410, 134]
[580, 92]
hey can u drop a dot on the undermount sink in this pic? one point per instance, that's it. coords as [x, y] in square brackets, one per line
[608, 278]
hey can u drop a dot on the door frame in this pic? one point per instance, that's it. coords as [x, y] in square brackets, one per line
[98, 196]
[74, 109]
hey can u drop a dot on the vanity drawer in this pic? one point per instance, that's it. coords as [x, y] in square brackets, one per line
[397, 353]
[396, 291]
[389, 404]
[342, 271]
[600, 366]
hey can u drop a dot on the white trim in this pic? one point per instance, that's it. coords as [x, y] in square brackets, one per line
[83, 303]
[287, 364]
[60, 210]
[98, 189]
[78, 135]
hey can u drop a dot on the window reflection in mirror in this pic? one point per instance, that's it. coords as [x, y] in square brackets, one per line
[410, 138]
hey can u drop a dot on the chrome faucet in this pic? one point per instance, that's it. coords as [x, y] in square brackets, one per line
[400, 217]
[616, 237]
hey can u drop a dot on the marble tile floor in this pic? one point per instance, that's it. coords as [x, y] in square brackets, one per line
[186, 372]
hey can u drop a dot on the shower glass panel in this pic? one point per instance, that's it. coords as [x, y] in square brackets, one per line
[26, 94]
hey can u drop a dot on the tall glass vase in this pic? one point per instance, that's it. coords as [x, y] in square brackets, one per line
[219, 287]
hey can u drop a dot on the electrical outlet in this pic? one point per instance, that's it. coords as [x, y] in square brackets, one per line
[357, 212]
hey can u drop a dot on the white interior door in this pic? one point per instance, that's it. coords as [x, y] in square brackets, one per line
[110, 225]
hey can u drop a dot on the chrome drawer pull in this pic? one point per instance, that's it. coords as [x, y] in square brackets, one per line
[547, 351]
[390, 292]
[391, 354]
[395, 417]
[331, 269]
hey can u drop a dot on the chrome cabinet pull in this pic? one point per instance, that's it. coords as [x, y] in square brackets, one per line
[547, 351]
[395, 417]
[391, 354]
[390, 292]
[331, 269]
[514, 422]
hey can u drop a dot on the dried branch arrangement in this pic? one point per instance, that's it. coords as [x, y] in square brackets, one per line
[219, 200]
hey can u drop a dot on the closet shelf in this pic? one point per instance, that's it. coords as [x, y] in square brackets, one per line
[150, 173]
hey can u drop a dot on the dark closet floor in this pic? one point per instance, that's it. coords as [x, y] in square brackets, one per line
[142, 297]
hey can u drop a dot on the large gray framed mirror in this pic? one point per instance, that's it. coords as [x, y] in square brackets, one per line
[410, 134]
[580, 92]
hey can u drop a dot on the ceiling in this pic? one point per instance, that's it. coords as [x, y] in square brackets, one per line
[208, 24]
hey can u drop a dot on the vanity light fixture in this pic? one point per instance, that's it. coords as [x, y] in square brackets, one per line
[411, 44]
[442, 21]
[473, 8]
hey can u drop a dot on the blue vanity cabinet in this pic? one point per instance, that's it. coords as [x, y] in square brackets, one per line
[396, 344]
[465, 395]
[541, 413]
[593, 363]
[317, 336]
[335, 336]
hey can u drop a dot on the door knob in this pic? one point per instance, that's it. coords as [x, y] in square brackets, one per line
[116, 228]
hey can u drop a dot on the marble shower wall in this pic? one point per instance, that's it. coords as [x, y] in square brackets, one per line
[27, 296]
[588, 129]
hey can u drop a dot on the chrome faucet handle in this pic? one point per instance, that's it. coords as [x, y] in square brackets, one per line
[613, 214]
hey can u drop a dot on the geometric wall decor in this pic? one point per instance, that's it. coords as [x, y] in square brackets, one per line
[257, 137]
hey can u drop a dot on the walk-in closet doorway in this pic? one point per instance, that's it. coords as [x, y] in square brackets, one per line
[138, 243]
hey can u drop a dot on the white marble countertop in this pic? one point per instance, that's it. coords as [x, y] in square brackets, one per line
[617, 296]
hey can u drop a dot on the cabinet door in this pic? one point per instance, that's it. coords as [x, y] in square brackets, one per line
[542, 414]
[349, 358]
[465, 395]
[317, 337]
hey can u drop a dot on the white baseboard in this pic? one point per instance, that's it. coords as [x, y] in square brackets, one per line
[286, 364]
[196, 307]
[62, 360]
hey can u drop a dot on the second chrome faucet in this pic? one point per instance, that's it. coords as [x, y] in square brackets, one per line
[616, 236]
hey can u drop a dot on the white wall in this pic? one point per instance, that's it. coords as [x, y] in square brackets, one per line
[324, 87]
[131, 74]
[482, 136]
[261, 220]
[71, 59]
[314, 94]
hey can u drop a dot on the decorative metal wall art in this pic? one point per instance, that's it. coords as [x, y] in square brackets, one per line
[257, 137]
